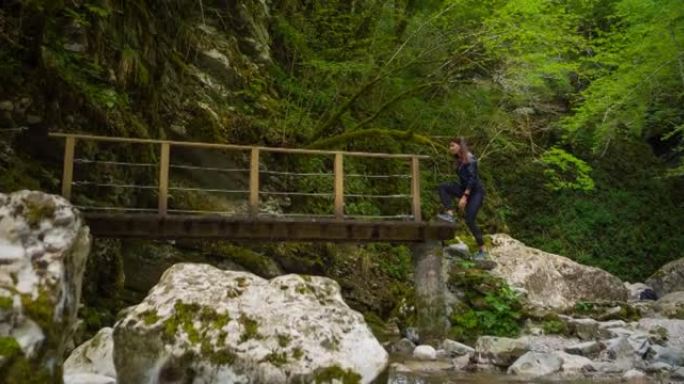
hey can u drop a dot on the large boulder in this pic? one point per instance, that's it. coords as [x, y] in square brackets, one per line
[202, 324]
[43, 251]
[671, 305]
[669, 278]
[550, 280]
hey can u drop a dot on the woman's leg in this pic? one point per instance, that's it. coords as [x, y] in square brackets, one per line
[473, 206]
[448, 192]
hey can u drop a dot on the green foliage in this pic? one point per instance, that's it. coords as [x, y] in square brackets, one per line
[565, 171]
[557, 327]
[490, 306]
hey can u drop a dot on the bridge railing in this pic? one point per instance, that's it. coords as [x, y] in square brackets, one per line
[164, 164]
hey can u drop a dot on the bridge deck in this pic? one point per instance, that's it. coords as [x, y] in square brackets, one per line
[152, 226]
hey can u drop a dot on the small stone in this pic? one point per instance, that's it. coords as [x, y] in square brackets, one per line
[424, 352]
[403, 346]
[460, 363]
[574, 364]
[678, 374]
[412, 334]
[589, 348]
[500, 351]
[535, 364]
[658, 367]
[457, 250]
[585, 329]
[633, 374]
[453, 348]
[6, 105]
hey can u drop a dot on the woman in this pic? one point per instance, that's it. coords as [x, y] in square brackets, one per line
[468, 190]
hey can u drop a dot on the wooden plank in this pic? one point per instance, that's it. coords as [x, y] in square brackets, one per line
[164, 177]
[254, 183]
[339, 185]
[216, 227]
[236, 147]
[68, 170]
[415, 188]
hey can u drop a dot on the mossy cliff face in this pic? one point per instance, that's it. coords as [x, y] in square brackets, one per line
[43, 247]
[201, 323]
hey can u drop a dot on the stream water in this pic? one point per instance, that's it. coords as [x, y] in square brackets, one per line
[459, 377]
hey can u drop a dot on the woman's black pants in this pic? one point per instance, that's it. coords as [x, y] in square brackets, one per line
[450, 190]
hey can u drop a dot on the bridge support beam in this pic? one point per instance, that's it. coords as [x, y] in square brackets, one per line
[432, 321]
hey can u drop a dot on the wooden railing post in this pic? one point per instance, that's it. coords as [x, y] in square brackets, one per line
[415, 188]
[339, 186]
[254, 183]
[164, 177]
[68, 171]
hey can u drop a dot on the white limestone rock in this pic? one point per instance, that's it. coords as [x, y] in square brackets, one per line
[204, 325]
[573, 365]
[424, 352]
[43, 249]
[552, 281]
[535, 364]
[499, 351]
[94, 356]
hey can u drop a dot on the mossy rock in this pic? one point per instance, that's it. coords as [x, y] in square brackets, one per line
[606, 310]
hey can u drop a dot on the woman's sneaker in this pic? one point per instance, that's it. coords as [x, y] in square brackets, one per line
[446, 217]
[480, 255]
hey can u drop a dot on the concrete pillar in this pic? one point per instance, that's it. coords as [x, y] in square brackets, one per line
[431, 319]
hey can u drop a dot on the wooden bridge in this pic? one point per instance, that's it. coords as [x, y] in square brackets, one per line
[164, 222]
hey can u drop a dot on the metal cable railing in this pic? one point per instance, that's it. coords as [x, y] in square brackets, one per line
[164, 188]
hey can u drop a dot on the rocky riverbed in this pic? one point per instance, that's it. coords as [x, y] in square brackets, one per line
[523, 316]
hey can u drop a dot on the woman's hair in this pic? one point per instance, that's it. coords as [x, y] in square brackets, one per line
[463, 152]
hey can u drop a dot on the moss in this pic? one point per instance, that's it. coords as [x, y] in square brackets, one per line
[242, 281]
[284, 340]
[276, 358]
[377, 326]
[302, 289]
[335, 374]
[16, 368]
[149, 317]
[297, 353]
[252, 261]
[213, 319]
[9, 347]
[41, 310]
[605, 310]
[37, 209]
[220, 356]
[555, 327]
[182, 318]
[22, 371]
[6, 303]
[331, 344]
[469, 240]
[250, 328]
